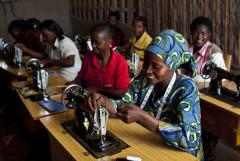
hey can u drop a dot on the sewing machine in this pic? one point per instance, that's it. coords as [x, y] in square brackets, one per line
[7, 49]
[11, 52]
[81, 43]
[90, 127]
[216, 89]
[39, 76]
[134, 61]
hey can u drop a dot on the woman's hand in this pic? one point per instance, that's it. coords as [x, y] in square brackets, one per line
[130, 113]
[22, 47]
[45, 62]
[94, 100]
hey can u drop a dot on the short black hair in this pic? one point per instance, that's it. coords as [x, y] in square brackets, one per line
[33, 23]
[19, 24]
[114, 14]
[142, 19]
[105, 27]
[201, 20]
[53, 26]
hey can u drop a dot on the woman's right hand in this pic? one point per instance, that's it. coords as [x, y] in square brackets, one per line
[94, 100]
[130, 113]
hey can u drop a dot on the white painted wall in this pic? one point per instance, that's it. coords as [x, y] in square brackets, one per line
[40, 9]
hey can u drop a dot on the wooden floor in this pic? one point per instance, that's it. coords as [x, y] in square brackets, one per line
[16, 144]
[227, 153]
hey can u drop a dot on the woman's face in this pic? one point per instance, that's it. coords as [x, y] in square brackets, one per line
[138, 28]
[113, 20]
[17, 34]
[100, 42]
[200, 35]
[48, 36]
[156, 70]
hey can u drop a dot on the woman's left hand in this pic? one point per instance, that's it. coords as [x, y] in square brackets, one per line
[45, 62]
[130, 113]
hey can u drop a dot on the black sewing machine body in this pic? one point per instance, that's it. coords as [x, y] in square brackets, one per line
[39, 77]
[216, 88]
[7, 51]
[81, 43]
[95, 138]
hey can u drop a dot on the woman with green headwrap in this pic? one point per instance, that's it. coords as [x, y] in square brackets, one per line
[161, 100]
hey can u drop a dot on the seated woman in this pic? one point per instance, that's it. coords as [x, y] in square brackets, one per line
[26, 39]
[104, 70]
[33, 23]
[60, 50]
[202, 47]
[118, 38]
[161, 100]
[139, 39]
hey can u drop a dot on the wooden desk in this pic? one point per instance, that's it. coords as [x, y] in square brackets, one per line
[37, 111]
[13, 73]
[220, 118]
[143, 143]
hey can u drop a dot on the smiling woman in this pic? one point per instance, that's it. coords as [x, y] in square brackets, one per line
[103, 70]
[160, 99]
[202, 47]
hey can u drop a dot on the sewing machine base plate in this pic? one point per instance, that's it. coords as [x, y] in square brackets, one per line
[228, 96]
[115, 147]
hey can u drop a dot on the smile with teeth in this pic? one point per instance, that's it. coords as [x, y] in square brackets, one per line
[151, 77]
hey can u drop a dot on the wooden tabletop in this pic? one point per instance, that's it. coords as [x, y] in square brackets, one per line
[218, 103]
[143, 143]
[4, 65]
[37, 111]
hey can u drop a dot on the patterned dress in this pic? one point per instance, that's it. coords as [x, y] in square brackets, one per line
[180, 118]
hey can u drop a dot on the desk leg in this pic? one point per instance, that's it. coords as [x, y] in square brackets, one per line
[238, 133]
[220, 123]
[58, 153]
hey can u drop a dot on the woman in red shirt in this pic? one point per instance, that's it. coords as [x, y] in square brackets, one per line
[104, 70]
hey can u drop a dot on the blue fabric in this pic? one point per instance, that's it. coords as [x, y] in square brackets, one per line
[51, 105]
[173, 49]
[180, 114]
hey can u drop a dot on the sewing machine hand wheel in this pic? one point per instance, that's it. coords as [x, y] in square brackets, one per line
[33, 63]
[64, 98]
[204, 71]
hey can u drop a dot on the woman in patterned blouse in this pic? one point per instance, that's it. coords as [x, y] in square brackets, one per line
[161, 100]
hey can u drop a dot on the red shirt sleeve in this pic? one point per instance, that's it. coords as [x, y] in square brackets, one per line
[121, 76]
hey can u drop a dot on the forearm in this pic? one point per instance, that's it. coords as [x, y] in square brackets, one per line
[34, 54]
[172, 133]
[110, 107]
[61, 63]
[149, 122]
[77, 81]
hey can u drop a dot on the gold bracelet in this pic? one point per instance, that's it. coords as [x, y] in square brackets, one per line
[160, 124]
